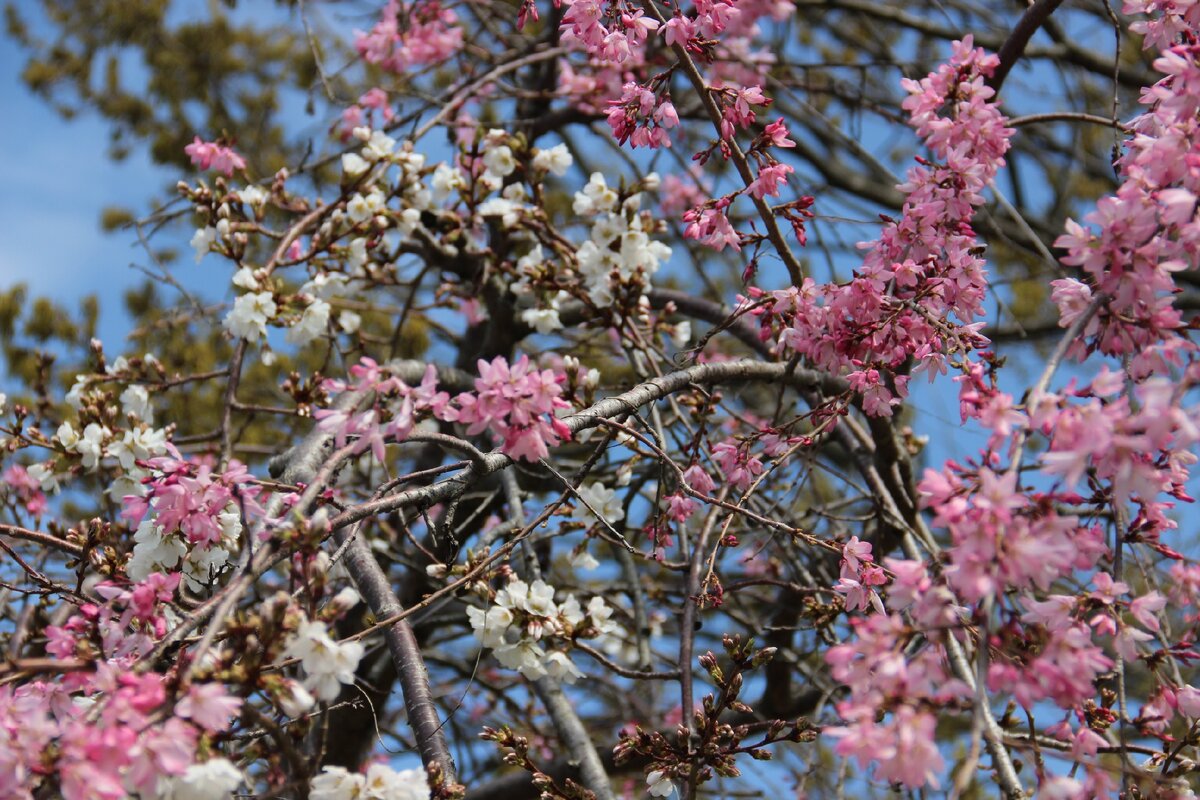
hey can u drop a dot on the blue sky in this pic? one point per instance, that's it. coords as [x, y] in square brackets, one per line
[57, 178]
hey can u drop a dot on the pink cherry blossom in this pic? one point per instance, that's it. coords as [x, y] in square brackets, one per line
[211, 155]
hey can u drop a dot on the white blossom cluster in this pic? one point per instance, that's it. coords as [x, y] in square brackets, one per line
[589, 377]
[380, 783]
[601, 499]
[205, 238]
[327, 664]
[499, 162]
[250, 314]
[525, 616]
[376, 184]
[620, 250]
[369, 203]
[215, 779]
[95, 441]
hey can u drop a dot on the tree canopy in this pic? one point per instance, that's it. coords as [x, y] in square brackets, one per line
[541, 400]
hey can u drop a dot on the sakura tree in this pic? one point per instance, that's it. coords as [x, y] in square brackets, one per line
[558, 426]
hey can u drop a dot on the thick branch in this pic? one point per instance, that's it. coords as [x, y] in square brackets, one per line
[373, 584]
[637, 397]
[1014, 45]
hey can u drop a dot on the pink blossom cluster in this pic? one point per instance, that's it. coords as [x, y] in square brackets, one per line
[1168, 702]
[890, 713]
[211, 155]
[1002, 539]
[710, 226]
[681, 506]
[859, 577]
[615, 37]
[372, 110]
[410, 35]
[25, 489]
[119, 630]
[1168, 22]
[1184, 587]
[642, 117]
[394, 409]
[1063, 666]
[711, 20]
[737, 108]
[722, 33]
[736, 463]
[980, 399]
[189, 496]
[708, 221]
[924, 270]
[895, 693]
[592, 85]
[584, 26]
[1138, 238]
[1127, 432]
[107, 732]
[770, 179]
[517, 403]
[1141, 446]
[681, 192]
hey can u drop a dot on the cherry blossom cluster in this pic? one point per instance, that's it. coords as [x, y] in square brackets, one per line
[924, 271]
[642, 117]
[327, 664]
[380, 782]
[102, 734]
[1041, 578]
[1129, 432]
[895, 693]
[1066, 662]
[680, 506]
[355, 225]
[214, 156]
[738, 465]
[583, 25]
[371, 111]
[109, 427]
[394, 407]
[517, 403]
[411, 35]
[612, 268]
[615, 36]
[96, 442]
[710, 226]
[23, 488]
[708, 221]
[859, 577]
[189, 517]
[1001, 538]
[524, 616]
[620, 256]
[1145, 233]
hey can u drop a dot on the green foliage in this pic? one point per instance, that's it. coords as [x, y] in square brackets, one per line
[160, 73]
